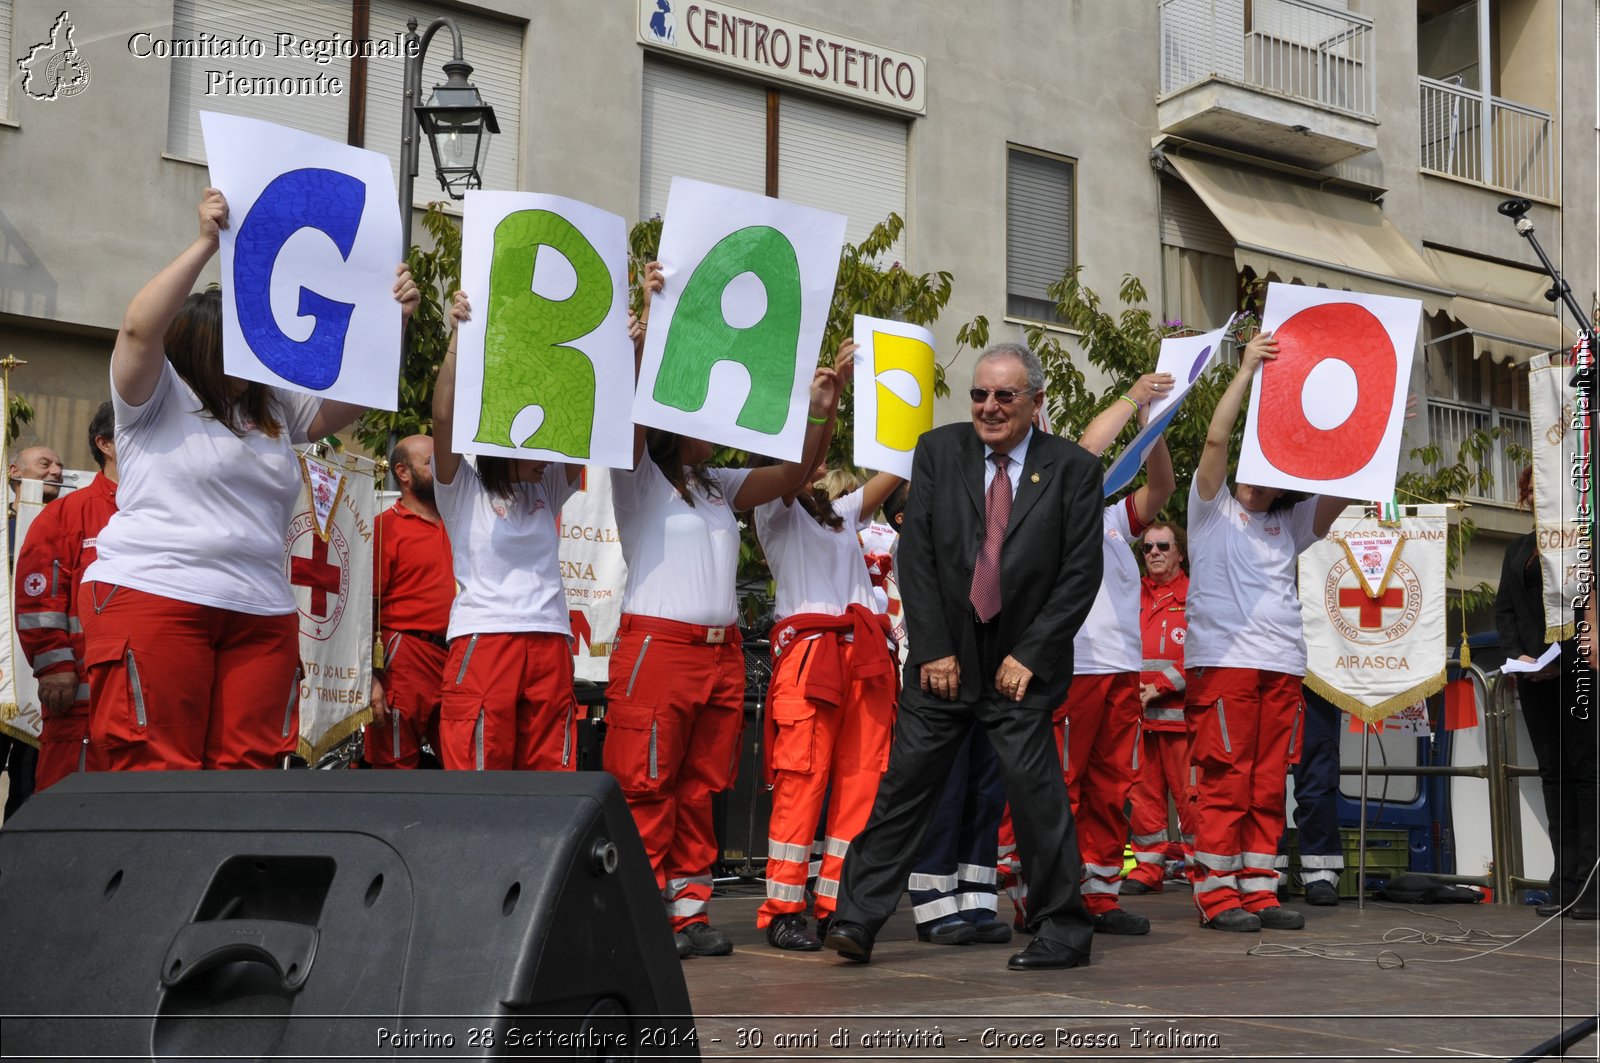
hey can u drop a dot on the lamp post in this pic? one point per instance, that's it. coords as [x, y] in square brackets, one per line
[456, 118]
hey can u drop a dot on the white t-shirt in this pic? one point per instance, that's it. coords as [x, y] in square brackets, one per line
[683, 560]
[1244, 603]
[817, 570]
[1109, 640]
[504, 552]
[202, 513]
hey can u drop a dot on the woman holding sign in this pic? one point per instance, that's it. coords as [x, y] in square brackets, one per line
[834, 688]
[507, 701]
[675, 703]
[192, 642]
[1245, 657]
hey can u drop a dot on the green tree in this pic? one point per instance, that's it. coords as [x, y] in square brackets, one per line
[438, 274]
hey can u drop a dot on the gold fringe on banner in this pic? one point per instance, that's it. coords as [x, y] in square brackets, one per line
[1382, 710]
[336, 734]
[8, 713]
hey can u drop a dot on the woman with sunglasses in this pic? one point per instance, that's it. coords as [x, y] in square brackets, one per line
[1245, 657]
[1163, 745]
[675, 702]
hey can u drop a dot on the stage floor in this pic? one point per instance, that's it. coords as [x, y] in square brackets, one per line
[1428, 982]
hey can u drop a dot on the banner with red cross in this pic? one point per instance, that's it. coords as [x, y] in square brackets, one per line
[1372, 600]
[330, 568]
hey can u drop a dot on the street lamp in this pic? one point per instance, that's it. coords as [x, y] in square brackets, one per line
[456, 119]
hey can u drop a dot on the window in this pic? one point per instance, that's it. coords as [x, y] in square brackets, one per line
[492, 47]
[1039, 230]
[743, 135]
[199, 84]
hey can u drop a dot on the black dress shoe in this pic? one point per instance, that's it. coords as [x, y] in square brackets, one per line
[1042, 954]
[1583, 913]
[991, 932]
[850, 940]
[790, 932]
[685, 949]
[1547, 911]
[1235, 919]
[1121, 921]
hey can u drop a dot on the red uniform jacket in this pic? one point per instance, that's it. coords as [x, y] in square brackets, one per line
[1161, 619]
[49, 571]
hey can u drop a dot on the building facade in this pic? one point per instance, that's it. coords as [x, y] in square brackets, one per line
[1198, 144]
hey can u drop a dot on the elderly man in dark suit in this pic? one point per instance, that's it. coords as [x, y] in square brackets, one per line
[999, 562]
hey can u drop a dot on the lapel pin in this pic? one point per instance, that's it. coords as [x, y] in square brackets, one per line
[1035, 477]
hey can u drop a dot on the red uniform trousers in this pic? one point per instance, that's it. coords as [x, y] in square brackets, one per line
[176, 685]
[674, 714]
[1241, 723]
[1163, 769]
[1097, 733]
[413, 684]
[508, 703]
[820, 749]
[64, 746]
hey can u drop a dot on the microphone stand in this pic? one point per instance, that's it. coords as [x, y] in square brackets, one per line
[1583, 372]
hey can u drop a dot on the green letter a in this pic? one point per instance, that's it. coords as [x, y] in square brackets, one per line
[700, 336]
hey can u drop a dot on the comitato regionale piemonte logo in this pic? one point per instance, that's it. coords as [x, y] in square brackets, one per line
[55, 68]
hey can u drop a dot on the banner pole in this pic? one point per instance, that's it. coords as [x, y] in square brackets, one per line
[1361, 830]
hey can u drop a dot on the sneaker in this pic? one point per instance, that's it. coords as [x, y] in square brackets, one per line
[1276, 917]
[1120, 921]
[954, 930]
[1235, 919]
[1322, 894]
[791, 933]
[991, 932]
[705, 940]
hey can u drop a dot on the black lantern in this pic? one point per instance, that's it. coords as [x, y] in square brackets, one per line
[458, 125]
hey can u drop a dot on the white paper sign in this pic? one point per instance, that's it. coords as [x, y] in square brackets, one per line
[544, 369]
[1327, 414]
[894, 392]
[1185, 357]
[308, 261]
[733, 337]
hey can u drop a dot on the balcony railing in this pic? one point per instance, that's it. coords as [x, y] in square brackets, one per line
[1293, 48]
[1451, 423]
[1517, 155]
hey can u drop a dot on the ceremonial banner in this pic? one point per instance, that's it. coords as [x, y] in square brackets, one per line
[330, 567]
[1372, 600]
[308, 261]
[1559, 515]
[594, 573]
[1327, 414]
[733, 338]
[1185, 357]
[19, 691]
[894, 392]
[544, 369]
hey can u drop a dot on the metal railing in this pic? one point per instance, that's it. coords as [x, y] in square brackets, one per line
[1293, 48]
[1517, 155]
[1451, 423]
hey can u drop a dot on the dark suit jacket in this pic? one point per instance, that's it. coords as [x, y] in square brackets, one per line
[1049, 564]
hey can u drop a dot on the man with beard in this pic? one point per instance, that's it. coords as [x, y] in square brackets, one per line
[414, 586]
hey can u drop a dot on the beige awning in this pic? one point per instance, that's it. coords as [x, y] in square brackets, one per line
[1313, 237]
[1503, 307]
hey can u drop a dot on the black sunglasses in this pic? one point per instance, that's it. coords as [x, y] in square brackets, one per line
[1163, 547]
[1004, 396]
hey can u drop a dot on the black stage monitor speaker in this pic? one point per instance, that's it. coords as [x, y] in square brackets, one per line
[335, 914]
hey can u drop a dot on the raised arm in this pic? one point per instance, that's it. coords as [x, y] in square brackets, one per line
[1159, 482]
[334, 416]
[1213, 470]
[775, 481]
[1100, 433]
[139, 353]
[653, 282]
[446, 462]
